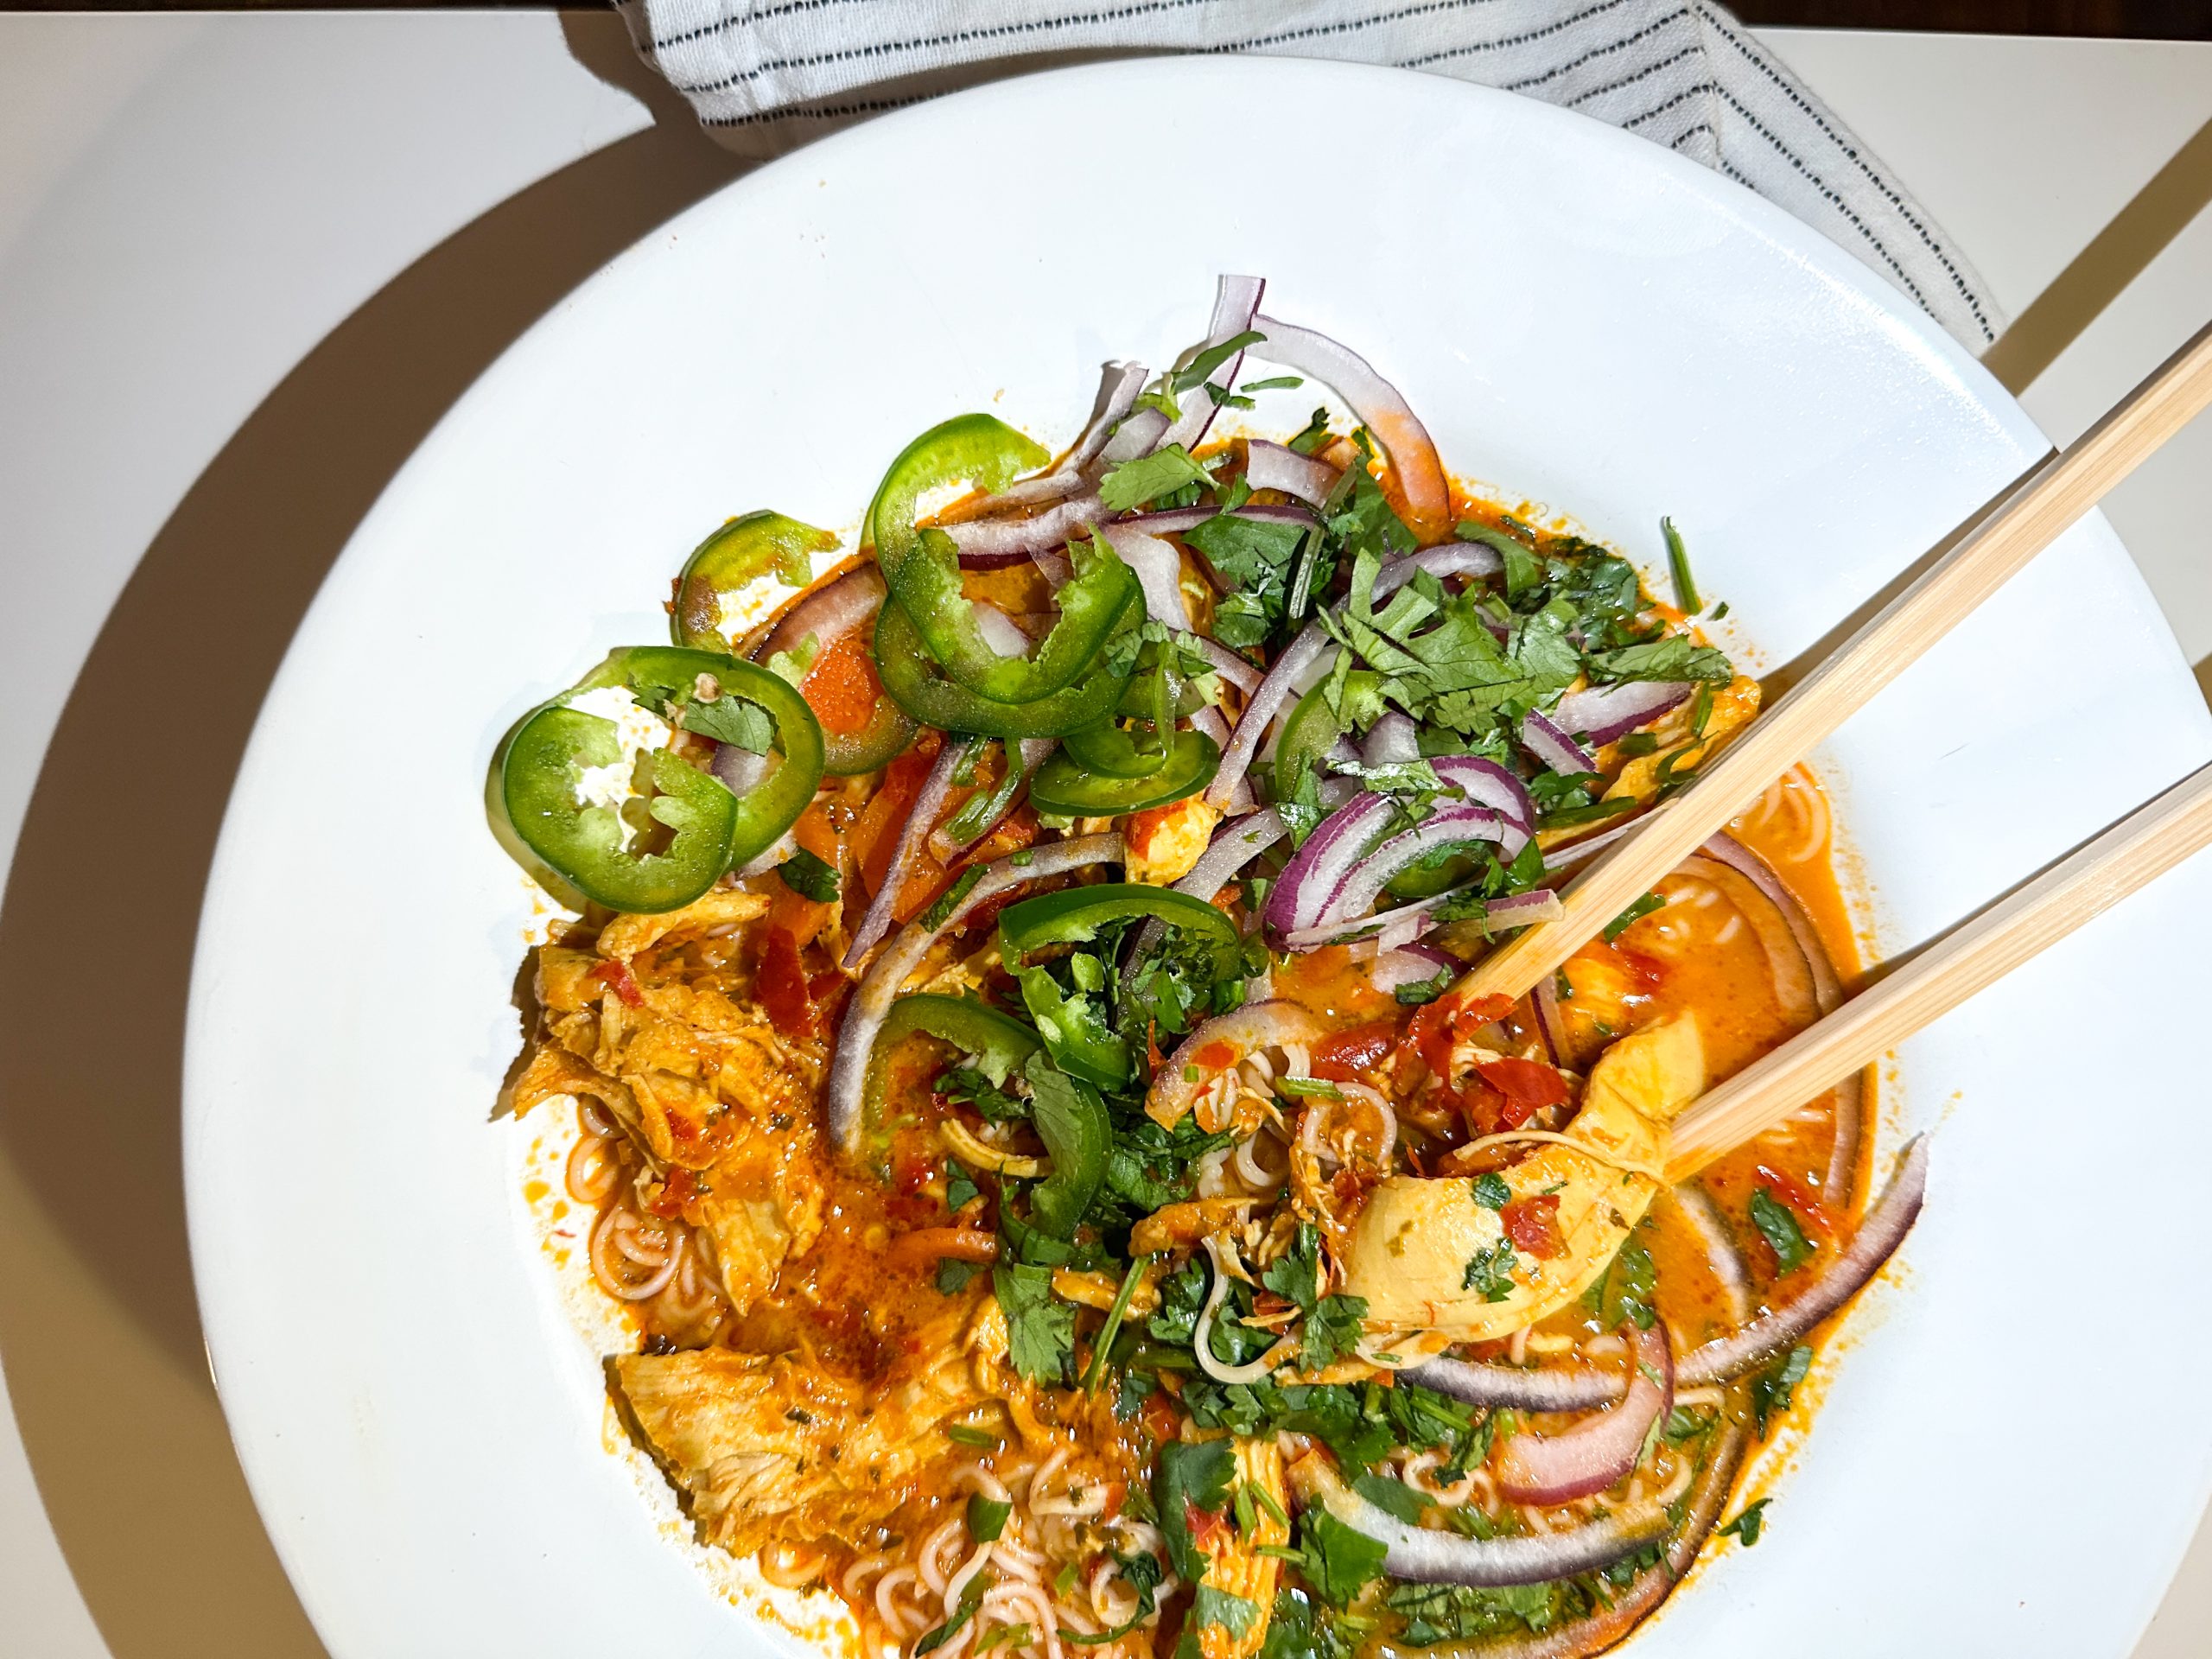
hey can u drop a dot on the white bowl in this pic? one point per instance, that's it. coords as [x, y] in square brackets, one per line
[1584, 319]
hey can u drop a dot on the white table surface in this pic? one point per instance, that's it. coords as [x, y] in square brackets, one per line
[245, 261]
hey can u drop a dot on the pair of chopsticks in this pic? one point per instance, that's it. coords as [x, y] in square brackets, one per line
[2133, 852]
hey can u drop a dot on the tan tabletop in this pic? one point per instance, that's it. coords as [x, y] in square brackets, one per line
[246, 262]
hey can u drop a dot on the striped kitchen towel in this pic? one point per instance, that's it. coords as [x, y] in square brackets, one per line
[765, 75]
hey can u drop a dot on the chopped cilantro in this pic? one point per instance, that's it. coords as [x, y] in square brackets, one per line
[987, 1518]
[1773, 1388]
[1749, 1523]
[809, 877]
[1337, 1561]
[1147, 478]
[1671, 657]
[967, 1434]
[1296, 1274]
[1492, 1191]
[1315, 435]
[731, 720]
[1490, 1272]
[1678, 565]
[1275, 382]
[1391, 1497]
[960, 1189]
[971, 1597]
[1623, 1292]
[1211, 1607]
[1040, 1328]
[1192, 375]
[1778, 1226]
[953, 1277]
[1332, 1330]
[1190, 1475]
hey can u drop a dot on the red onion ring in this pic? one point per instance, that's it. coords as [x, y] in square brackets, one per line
[1725, 1358]
[1380, 407]
[1317, 869]
[1428, 1555]
[1553, 747]
[913, 834]
[1449, 559]
[1550, 1025]
[881, 987]
[1030, 753]
[1232, 667]
[1575, 854]
[829, 612]
[1523, 909]
[1828, 997]
[1298, 657]
[1876, 1241]
[1363, 881]
[1273, 467]
[1599, 1451]
[1210, 721]
[993, 543]
[1119, 384]
[1255, 1026]
[738, 769]
[1485, 782]
[1158, 570]
[1716, 1478]
[1602, 713]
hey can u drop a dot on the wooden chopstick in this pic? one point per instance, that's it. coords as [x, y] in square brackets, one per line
[1977, 952]
[2051, 497]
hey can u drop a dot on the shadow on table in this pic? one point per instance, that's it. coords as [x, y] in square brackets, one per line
[99, 1331]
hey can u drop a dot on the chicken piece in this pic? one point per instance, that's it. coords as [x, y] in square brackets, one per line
[1186, 1224]
[1164, 842]
[766, 1448]
[1234, 1563]
[1427, 1256]
[626, 936]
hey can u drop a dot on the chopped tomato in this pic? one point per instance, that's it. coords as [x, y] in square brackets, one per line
[1533, 1225]
[841, 685]
[828, 990]
[1527, 1086]
[1216, 1056]
[1649, 969]
[1483, 1107]
[781, 988]
[1207, 1527]
[1344, 1057]
[615, 975]
[1436, 1025]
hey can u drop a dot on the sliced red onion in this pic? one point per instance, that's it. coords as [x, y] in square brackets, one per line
[1176, 520]
[1392, 741]
[1599, 1451]
[881, 987]
[914, 835]
[1265, 704]
[1237, 669]
[1255, 1026]
[1828, 997]
[1317, 869]
[1399, 926]
[1708, 1495]
[1485, 782]
[1214, 724]
[1158, 570]
[1449, 559]
[1001, 632]
[1695, 1206]
[1553, 748]
[1871, 1248]
[1559, 1388]
[1236, 299]
[1272, 466]
[1137, 435]
[1365, 879]
[1380, 407]
[1411, 964]
[829, 612]
[1236, 844]
[1117, 395]
[992, 543]
[740, 770]
[1523, 909]
[1601, 712]
[1433, 1556]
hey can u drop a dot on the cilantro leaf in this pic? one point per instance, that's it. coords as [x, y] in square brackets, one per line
[960, 1189]
[1391, 1497]
[1147, 478]
[1191, 1475]
[731, 720]
[1623, 1292]
[1752, 1521]
[1332, 1330]
[1040, 1328]
[1296, 1274]
[1778, 1226]
[1233, 1613]
[1773, 1388]
[809, 877]
[1635, 913]
[1492, 1192]
[1674, 656]
[1490, 1272]
[987, 1517]
[1201, 366]
[1337, 1561]
[953, 1277]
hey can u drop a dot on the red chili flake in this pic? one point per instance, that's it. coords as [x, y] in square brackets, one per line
[1533, 1225]
[615, 975]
